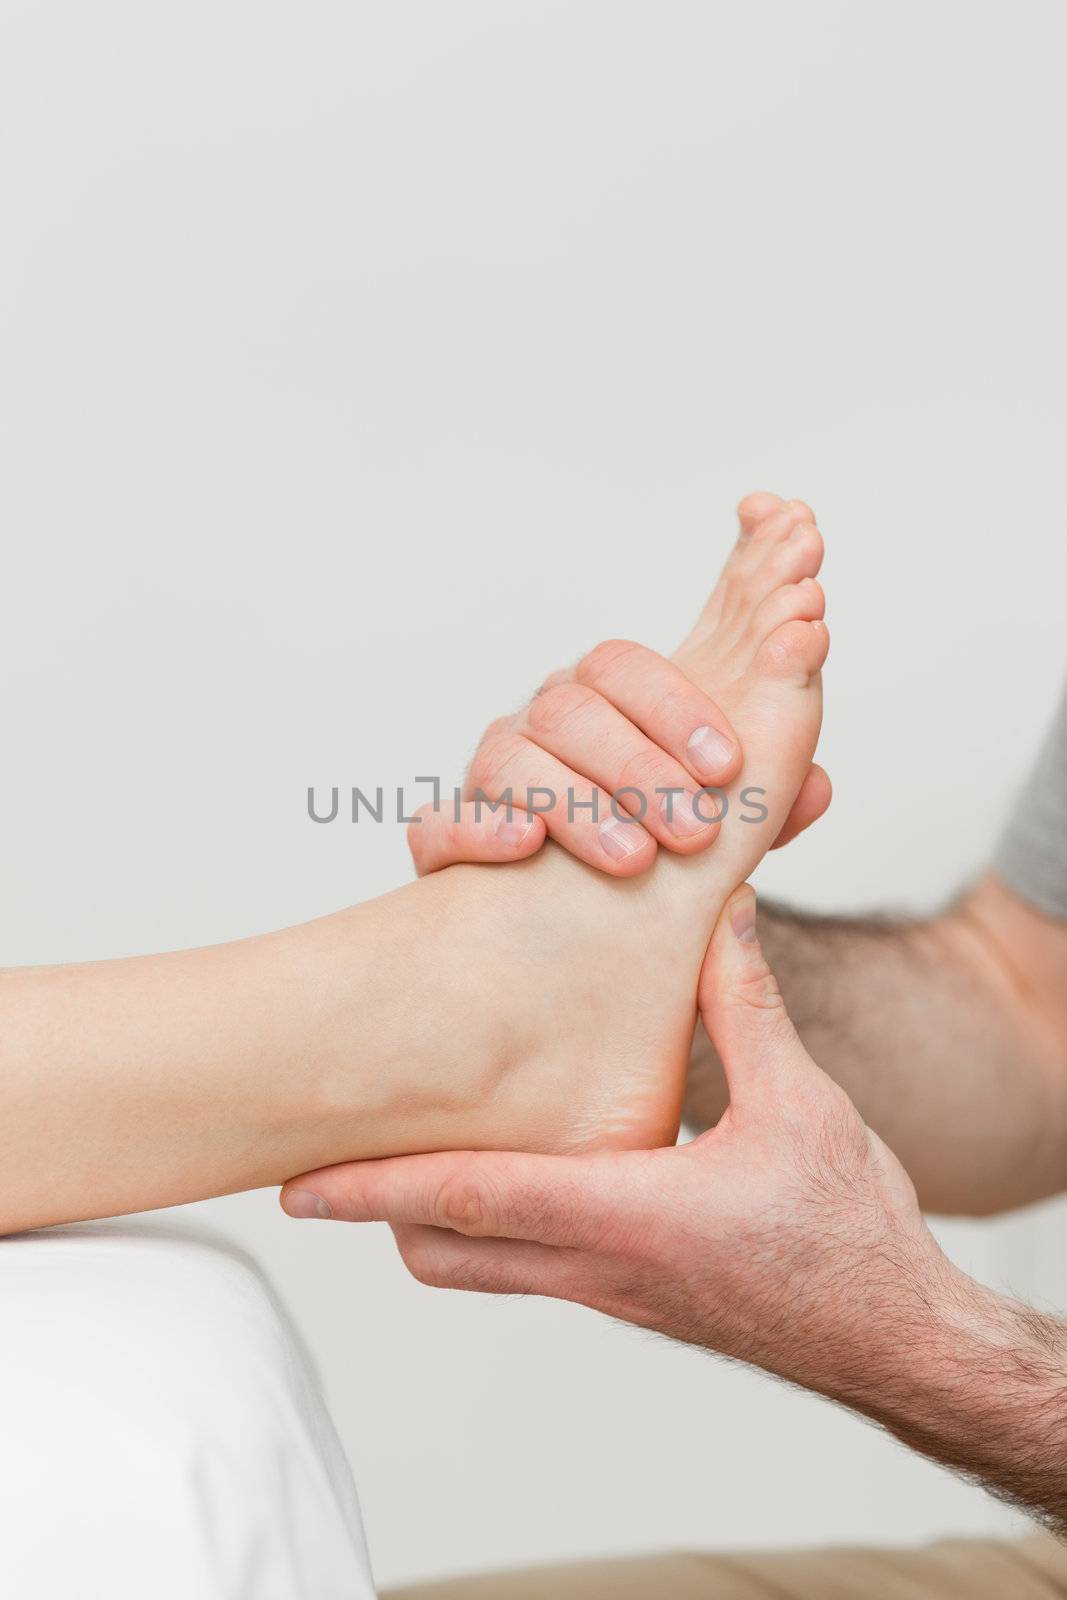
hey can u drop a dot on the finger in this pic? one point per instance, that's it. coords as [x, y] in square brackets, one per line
[499, 728]
[472, 832]
[672, 712]
[742, 1007]
[555, 1200]
[583, 729]
[578, 814]
[811, 803]
[446, 1260]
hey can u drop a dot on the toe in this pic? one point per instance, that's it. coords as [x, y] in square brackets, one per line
[796, 650]
[775, 557]
[752, 550]
[793, 602]
[803, 507]
[799, 555]
[811, 803]
[770, 528]
[755, 507]
[779, 525]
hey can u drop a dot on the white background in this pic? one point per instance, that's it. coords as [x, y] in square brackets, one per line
[360, 364]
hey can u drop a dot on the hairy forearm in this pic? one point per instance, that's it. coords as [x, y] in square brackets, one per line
[146, 1082]
[980, 1385]
[948, 1034]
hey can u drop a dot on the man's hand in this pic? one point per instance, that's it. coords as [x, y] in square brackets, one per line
[788, 1236]
[622, 716]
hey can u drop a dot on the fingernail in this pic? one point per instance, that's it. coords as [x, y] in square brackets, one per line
[743, 918]
[302, 1203]
[620, 839]
[710, 750]
[678, 813]
[512, 831]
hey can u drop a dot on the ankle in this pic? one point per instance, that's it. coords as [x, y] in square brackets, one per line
[399, 1068]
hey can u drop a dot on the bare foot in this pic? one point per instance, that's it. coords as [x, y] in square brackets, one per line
[601, 973]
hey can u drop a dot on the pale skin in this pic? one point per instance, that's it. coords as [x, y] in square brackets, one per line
[548, 1007]
[788, 1235]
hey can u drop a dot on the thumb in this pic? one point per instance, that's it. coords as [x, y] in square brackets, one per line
[742, 1006]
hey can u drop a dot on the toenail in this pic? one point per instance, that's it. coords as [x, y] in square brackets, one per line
[620, 839]
[678, 813]
[710, 750]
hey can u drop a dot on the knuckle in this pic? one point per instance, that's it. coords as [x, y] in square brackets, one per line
[679, 705]
[604, 659]
[462, 1204]
[561, 675]
[497, 730]
[557, 708]
[498, 726]
[645, 772]
[492, 760]
[759, 990]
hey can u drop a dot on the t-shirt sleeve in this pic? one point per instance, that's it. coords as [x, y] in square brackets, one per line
[1031, 856]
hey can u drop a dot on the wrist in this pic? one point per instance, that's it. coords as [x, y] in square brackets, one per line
[893, 1327]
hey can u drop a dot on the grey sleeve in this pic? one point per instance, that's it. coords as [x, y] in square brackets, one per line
[1031, 856]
